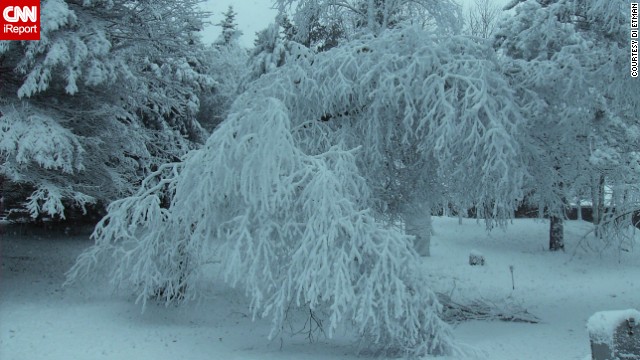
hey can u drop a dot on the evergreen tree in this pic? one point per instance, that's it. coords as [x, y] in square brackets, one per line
[271, 51]
[230, 32]
[105, 96]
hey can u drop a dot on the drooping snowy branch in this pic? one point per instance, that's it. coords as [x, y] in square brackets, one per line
[30, 138]
[426, 111]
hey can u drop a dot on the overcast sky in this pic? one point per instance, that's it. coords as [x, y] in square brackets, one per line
[255, 15]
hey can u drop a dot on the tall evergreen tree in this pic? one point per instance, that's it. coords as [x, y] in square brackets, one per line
[230, 32]
[105, 96]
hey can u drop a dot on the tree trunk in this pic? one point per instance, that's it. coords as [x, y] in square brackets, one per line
[594, 207]
[579, 209]
[417, 221]
[597, 202]
[600, 199]
[556, 233]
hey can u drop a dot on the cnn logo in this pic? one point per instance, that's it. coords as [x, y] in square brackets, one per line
[20, 20]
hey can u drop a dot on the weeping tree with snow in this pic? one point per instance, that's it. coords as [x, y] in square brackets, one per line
[297, 193]
[104, 97]
[567, 60]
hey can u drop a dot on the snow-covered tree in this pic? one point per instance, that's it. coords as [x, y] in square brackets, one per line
[298, 192]
[114, 85]
[319, 36]
[430, 119]
[230, 32]
[568, 60]
[228, 68]
[371, 16]
[226, 62]
[272, 51]
[291, 227]
[407, 110]
[482, 18]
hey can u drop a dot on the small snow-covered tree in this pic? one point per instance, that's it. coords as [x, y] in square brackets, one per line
[482, 18]
[228, 68]
[227, 65]
[230, 32]
[319, 36]
[272, 51]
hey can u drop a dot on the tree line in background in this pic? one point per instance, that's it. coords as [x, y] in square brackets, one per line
[309, 165]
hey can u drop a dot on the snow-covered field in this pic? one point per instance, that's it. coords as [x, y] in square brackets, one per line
[41, 320]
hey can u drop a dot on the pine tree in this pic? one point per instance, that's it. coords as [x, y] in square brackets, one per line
[271, 51]
[230, 32]
[105, 96]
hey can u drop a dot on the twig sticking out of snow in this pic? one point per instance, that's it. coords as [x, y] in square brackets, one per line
[513, 283]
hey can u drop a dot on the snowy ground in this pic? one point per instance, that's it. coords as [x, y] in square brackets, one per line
[41, 320]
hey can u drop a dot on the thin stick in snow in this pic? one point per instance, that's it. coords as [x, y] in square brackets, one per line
[513, 284]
